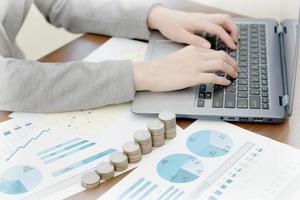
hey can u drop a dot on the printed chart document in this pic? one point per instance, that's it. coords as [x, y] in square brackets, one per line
[215, 161]
[37, 159]
[111, 126]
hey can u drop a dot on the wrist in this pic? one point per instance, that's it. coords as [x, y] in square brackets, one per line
[140, 82]
[155, 16]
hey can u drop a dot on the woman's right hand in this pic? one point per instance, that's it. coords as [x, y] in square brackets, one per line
[184, 68]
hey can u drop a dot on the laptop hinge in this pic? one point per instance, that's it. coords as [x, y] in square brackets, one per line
[284, 101]
[280, 29]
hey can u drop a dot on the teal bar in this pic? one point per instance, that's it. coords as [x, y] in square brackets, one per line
[139, 190]
[178, 196]
[58, 146]
[83, 162]
[132, 187]
[149, 191]
[166, 192]
[70, 152]
[172, 194]
[64, 149]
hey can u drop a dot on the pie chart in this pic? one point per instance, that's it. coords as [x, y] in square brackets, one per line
[209, 143]
[179, 168]
[19, 179]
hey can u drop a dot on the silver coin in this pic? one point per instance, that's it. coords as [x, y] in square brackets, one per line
[142, 136]
[90, 180]
[118, 157]
[131, 148]
[167, 116]
[105, 170]
[156, 126]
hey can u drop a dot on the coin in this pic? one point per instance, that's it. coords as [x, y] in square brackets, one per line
[133, 151]
[119, 160]
[90, 180]
[105, 170]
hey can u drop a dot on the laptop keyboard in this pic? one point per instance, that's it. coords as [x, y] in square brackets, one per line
[250, 89]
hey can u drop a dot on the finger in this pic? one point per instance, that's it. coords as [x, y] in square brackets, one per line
[208, 78]
[222, 55]
[227, 22]
[217, 30]
[218, 65]
[192, 39]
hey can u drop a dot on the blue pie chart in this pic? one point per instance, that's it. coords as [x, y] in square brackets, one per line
[179, 168]
[19, 179]
[209, 143]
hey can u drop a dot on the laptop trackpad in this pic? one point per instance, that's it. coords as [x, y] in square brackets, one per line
[161, 48]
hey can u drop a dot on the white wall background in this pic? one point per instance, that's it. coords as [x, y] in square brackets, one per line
[38, 38]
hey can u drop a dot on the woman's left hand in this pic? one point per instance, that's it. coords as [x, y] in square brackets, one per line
[182, 26]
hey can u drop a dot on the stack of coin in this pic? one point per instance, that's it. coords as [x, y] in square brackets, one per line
[157, 130]
[119, 160]
[90, 180]
[105, 170]
[133, 151]
[169, 120]
[143, 138]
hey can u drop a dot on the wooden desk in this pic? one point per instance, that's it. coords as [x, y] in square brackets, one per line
[83, 46]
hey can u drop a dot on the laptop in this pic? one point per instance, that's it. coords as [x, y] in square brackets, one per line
[267, 54]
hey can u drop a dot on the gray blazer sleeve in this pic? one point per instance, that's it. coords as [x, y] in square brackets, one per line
[30, 86]
[123, 18]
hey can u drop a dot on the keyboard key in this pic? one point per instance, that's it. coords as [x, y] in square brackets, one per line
[264, 67]
[230, 100]
[254, 92]
[264, 82]
[265, 100]
[242, 88]
[254, 85]
[243, 75]
[208, 95]
[202, 88]
[254, 73]
[254, 67]
[254, 61]
[231, 89]
[243, 64]
[254, 78]
[265, 106]
[242, 94]
[242, 81]
[201, 95]
[218, 98]
[254, 102]
[264, 77]
[242, 103]
[244, 69]
[201, 103]
[218, 87]
[264, 89]
[265, 94]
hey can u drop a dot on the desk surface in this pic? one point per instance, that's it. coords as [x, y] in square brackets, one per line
[78, 49]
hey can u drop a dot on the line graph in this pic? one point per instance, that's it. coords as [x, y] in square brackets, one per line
[26, 144]
[15, 136]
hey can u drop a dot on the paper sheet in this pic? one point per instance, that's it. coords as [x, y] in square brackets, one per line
[215, 161]
[36, 159]
[110, 125]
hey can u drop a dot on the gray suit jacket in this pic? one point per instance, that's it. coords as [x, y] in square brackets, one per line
[31, 86]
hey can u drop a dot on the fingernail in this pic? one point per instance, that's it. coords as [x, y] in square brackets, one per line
[206, 45]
